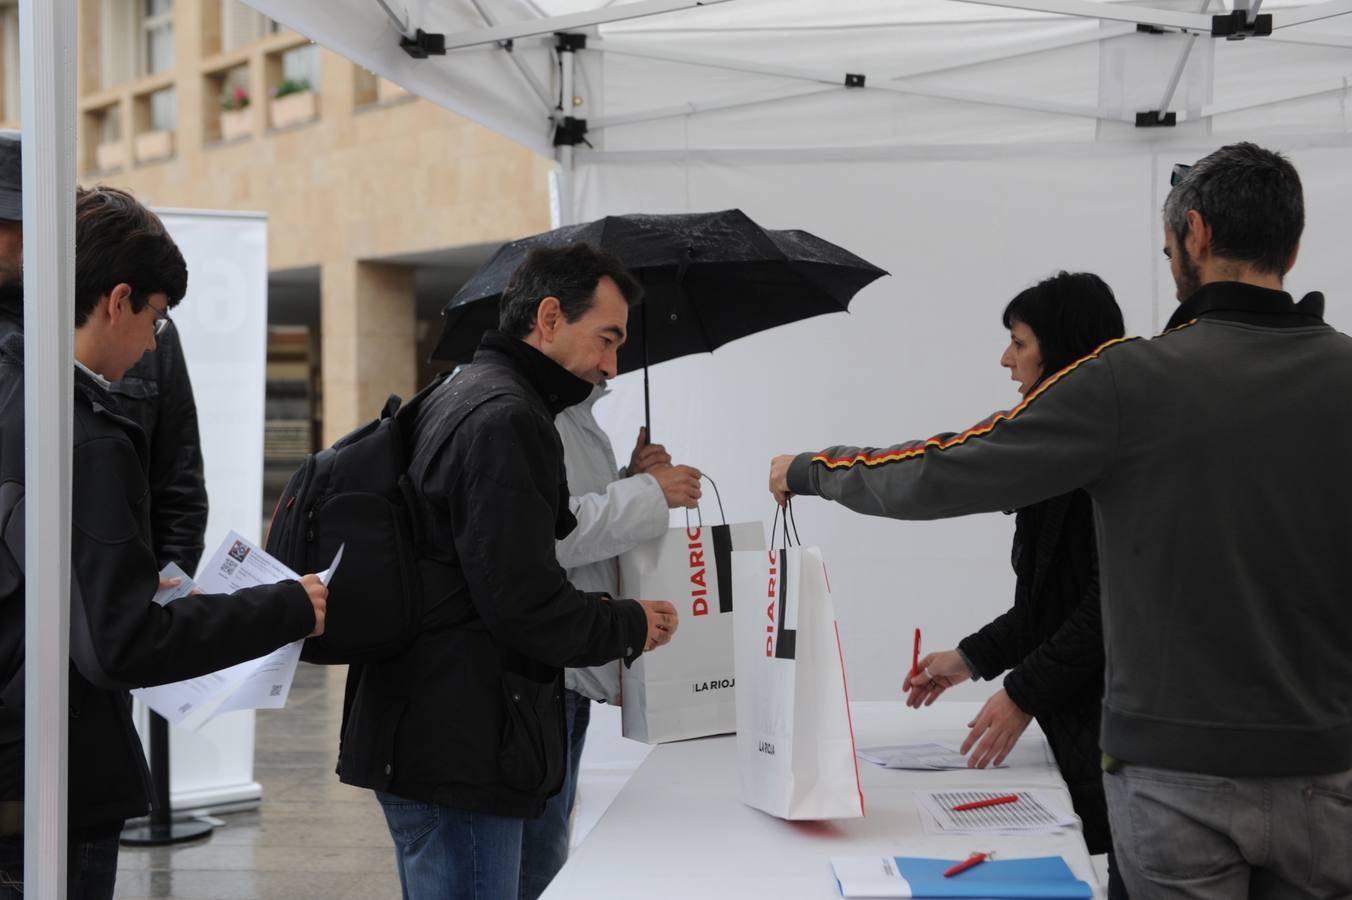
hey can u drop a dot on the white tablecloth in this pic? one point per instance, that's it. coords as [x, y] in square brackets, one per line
[679, 829]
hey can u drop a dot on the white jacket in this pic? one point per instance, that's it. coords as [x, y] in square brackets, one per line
[614, 513]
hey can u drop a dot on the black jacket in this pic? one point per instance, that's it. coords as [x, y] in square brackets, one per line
[1052, 643]
[157, 395]
[118, 637]
[471, 716]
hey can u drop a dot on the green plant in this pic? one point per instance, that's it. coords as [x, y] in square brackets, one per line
[236, 99]
[291, 86]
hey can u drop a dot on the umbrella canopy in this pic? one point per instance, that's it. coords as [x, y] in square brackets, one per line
[709, 278]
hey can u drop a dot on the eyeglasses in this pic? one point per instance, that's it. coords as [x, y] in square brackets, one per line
[1180, 172]
[161, 319]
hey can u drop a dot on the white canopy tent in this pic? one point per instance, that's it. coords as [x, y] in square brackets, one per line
[971, 148]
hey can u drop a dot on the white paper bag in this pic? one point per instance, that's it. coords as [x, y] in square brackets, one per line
[685, 689]
[795, 744]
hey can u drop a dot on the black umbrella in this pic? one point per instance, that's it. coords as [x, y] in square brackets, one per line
[708, 278]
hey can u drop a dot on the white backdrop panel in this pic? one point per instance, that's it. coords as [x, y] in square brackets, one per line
[223, 325]
[919, 352]
[223, 322]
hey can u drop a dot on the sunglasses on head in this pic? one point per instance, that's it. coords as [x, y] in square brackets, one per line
[1179, 172]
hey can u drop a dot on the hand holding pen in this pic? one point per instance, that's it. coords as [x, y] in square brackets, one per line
[935, 673]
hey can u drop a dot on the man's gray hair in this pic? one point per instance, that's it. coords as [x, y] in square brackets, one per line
[1252, 200]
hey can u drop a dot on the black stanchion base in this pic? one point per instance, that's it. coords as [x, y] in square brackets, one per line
[160, 835]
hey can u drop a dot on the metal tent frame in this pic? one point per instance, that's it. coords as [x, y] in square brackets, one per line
[565, 36]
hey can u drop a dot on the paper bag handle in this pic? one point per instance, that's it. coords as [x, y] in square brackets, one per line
[699, 517]
[789, 520]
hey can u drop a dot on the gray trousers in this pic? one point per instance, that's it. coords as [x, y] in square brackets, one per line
[1203, 837]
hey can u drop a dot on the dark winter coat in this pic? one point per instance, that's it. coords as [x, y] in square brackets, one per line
[1051, 642]
[471, 715]
[119, 638]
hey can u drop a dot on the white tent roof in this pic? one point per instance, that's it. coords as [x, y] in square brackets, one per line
[672, 76]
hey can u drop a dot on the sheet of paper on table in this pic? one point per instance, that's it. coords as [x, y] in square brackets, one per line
[262, 683]
[917, 756]
[1037, 810]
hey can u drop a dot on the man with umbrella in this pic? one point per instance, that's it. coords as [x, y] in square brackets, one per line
[461, 735]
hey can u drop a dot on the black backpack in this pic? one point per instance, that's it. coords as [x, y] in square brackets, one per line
[357, 493]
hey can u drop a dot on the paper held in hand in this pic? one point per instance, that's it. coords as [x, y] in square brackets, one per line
[262, 683]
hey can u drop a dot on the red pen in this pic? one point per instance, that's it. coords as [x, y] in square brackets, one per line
[966, 864]
[915, 660]
[989, 801]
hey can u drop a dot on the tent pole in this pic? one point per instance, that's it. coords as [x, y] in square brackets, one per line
[565, 214]
[47, 30]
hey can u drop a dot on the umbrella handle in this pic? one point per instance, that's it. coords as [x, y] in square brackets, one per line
[647, 406]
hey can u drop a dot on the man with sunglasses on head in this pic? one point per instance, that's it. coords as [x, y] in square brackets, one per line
[1217, 455]
[128, 273]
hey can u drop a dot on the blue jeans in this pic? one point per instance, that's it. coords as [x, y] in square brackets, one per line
[545, 841]
[91, 866]
[451, 854]
[1204, 837]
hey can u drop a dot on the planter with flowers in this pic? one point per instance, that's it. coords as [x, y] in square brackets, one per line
[292, 102]
[236, 119]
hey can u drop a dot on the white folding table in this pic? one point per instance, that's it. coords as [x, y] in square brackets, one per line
[679, 830]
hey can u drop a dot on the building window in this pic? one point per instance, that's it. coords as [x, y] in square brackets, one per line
[163, 110]
[136, 37]
[301, 64]
[110, 125]
[241, 25]
[157, 35]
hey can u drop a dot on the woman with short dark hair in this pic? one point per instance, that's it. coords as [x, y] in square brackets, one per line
[1051, 640]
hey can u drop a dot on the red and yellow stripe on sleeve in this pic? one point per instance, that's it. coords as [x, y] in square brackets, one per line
[866, 459]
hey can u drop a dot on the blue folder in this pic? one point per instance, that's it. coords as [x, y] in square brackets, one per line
[1038, 878]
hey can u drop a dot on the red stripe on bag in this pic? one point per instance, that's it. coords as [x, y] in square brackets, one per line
[849, 717]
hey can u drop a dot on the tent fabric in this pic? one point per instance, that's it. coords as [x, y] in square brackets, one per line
[771, 73]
